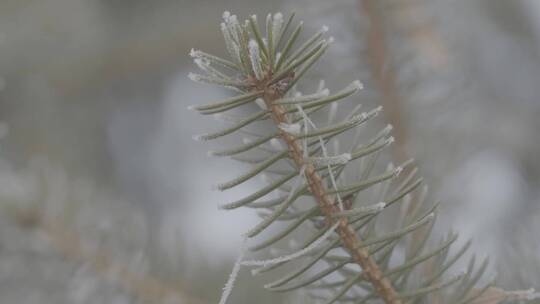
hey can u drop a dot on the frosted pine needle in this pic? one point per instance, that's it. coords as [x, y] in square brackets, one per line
[330, 160]
[317, 243]
[255, 58]
[293, 129]
[227, 289]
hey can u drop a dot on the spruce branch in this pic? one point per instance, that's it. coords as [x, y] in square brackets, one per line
[320, 192]
[297, 164]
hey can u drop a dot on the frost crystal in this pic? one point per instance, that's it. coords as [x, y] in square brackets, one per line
[260, 102]
[255, 58]
[276, 27]
[227, 289]
[330, 160]
[295, 255]
[290, 128]
[194, 77]
[195, 53]
[358, 85]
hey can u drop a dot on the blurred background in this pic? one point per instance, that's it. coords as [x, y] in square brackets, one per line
[105, 197]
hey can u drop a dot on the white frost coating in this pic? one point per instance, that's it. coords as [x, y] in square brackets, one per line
[299, 98]
[246, 140]
[199, 137]
[293, 129]
[529, 294]
[330, 160]
[324, 29]
[213, 79]
[201, 63]
[233, 25]
[226, 15]
[276, 28]
[379, 206]
[253, 45]
[205, 65]
[375, 208]
[227, 289]
[357, 84]
[195, 53]
[331, 40]
[398, 171]
[363, 116]
[255, 58]
[230, 44]
[260, 102]
[354, 86]
[295, 255]
[194, 77]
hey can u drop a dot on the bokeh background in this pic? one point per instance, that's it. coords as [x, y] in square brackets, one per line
[105, 197]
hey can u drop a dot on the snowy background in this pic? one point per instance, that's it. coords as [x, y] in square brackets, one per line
[105, 197]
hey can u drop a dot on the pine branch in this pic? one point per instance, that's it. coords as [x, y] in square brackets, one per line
[328, 206]
[297, 161]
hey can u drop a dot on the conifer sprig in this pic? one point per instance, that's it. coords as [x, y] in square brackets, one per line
[335, 194]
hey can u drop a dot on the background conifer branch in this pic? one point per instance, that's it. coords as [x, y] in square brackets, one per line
[71, 246]
[383, 75]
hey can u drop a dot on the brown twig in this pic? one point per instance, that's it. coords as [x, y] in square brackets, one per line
[352, 243]
[384, 78]
[385, 81]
